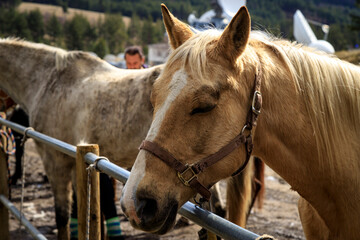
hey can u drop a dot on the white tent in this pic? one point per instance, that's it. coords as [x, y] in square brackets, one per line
[305, 35]
[229, 9]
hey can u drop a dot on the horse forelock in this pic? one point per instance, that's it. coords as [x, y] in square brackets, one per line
[194, 53]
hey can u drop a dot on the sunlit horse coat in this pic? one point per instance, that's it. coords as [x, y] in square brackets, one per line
[76, 97]
[308, 130]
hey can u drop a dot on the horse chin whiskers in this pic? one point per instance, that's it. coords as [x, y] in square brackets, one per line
[169, 220]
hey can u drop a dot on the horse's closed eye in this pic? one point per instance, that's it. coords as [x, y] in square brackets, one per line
[204, 109]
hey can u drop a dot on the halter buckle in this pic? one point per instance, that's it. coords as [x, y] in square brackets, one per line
[183, 179]
[255, 97]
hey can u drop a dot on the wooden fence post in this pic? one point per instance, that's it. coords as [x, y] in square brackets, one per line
[4, 190]
[82, 185]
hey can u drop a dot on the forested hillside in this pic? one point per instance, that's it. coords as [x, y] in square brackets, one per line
[142, 8]
[111, 35]
[273, 15]
[276, 17]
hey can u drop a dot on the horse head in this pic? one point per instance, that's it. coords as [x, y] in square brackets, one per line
[201, 102]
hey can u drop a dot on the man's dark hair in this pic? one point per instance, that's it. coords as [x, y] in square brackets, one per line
[134, 50]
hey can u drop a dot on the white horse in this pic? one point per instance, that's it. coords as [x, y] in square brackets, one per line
[75, 97]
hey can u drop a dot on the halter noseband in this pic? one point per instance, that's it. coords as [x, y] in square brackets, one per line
[188, 173]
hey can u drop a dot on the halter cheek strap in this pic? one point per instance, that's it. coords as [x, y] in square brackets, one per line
[188, 173]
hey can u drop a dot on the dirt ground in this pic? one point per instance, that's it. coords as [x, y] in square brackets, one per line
[279, 216]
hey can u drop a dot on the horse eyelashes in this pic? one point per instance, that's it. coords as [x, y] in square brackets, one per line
[202, 109]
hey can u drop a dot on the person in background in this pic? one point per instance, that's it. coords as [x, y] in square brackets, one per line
[135, 58]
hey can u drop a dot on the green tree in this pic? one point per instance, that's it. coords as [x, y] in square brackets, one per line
[355, 18]
[159, 31]
[114, 31]
[20, 26]
[337, 37]
[64, 5]
[36, 25]
[54, 29]
[9, 3]
[105, 5]
[100, 47]
[13, 23]
[78, 33]
[147, 32]
[134, 30]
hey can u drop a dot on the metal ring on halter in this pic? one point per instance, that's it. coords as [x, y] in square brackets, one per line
[97, 160]
[246, 127]
[253, 107]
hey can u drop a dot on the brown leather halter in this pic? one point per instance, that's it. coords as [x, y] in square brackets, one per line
[188, 173]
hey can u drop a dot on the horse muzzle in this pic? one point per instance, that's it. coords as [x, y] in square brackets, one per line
[146, 213]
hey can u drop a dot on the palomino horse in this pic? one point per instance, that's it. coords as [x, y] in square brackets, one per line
[210, 93]
[76, 97]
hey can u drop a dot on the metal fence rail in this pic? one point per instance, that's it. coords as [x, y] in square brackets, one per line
[206, 219]
[30, 228]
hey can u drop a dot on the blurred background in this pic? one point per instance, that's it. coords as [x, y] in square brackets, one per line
[107, 27]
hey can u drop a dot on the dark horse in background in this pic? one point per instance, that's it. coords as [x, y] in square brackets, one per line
[17, 115]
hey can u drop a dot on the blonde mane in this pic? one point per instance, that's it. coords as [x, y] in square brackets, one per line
[329, 87]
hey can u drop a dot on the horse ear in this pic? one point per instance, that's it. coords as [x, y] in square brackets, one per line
[234, 39]
[177, 31]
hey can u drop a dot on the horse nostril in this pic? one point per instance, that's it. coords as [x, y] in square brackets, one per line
[146, 209]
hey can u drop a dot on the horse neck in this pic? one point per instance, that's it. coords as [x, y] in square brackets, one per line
[283, 123]
[286, 136]
[302, 129]
[24, 69]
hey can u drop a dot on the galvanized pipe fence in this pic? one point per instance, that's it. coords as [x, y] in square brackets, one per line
[203, 218]
[30, 228]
